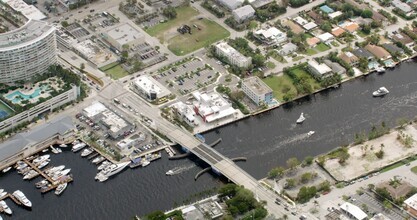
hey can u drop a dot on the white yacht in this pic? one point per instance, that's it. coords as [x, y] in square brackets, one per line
[301, 118]
[22, 198]
[145, 163]
[2, 194]
[45, 150]
[56, 150]
[98, 160]
[5, 170]
[63, 145]
[104, 165]
[60, 174]
[169, 173]
[60, 188]
[30, 175]
[54, 169]
[43, 164]
[310, 133]
[41, 183]
[110, 171]
[87, 152]
[5, 207]
[380, 92]
[41, 158]
[78, 147]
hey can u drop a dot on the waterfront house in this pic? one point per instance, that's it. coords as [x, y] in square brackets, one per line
[336, 68]
[404, 39]
[378, 52]
[392, 48]
[362, 53]
[287, 49]
[326, 9]
[349, 58]
[319, 70]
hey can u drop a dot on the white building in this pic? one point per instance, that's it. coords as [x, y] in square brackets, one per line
[27, 51]
[243, 13]
[149, 88]
[185, 113]
[353, 211]
[124, 34]
[257, 90]
[231, 4]
[130, 141]
[288, 48]
[271, 36]
[319, 70]
[29, 11]
[335, 14]
[403, 7]
[212, 107]
[411, 204]
[326, 37]
[232, 55]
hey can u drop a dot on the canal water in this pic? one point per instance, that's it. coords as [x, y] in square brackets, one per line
[267, 140]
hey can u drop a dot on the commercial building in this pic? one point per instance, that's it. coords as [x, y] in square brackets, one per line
[124, 34]
[57, 131]
[257, 90]
[411, 205]
[353, 211]
[271, 36]
[130, 142]
[319, 70]
[232, 55]
[113, 123]
[185, 113]
[42, 108]
[29, 11]
[27, 51]
[149, 88]
[212, 107]
[243, 13]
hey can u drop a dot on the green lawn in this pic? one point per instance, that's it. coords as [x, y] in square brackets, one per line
[209, 33]
[270, 65]
[361, 33]
[307, 35]
[414, 169]
[393, 166]
[335, 43]
[117, 72]
[310, 52]
[184, 15]
[322, 47]
[253, 25]
[297, 58]
[312, 81]
[278, 85]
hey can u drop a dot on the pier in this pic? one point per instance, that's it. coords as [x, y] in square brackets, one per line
[38, 170]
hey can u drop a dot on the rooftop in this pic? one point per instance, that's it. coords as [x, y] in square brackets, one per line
[244, 11]
[335, 14]
[269, 33]
[35, 135]
[124, 33]
[325, 37]
[150, 85]
[29, 11]
[312, 41]
[212, 106]
[326, 9]
[360, 52]
[402, 6]
[350, 26]
[337, 31]
[378, 51]
[94, 109]
[322, 68]
[32, 31]
[354, 210]
[310, 25]
[257, 85]
[412, 202]
[230, 51]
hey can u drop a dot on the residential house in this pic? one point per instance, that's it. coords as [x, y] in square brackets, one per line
[404, 39]
[362, 21]
[335, 14]
[271, 36]
[336, 68]
[326, 9]
[316, 17]
[326, 38]
[378, 52]
[243, 13]
[350, 26]
[362, 53]
[295, 28]
[392, 48]
[287, 49]
[304, 23]
[319, 71]
[337, 31]
[231, 4]
[349, 58]
[403, 7]
[312, 41]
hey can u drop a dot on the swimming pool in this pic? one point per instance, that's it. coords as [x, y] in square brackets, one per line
[14, 96]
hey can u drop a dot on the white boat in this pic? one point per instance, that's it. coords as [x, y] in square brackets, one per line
[30, 175]
[1, 190]
[98, 160]
[380, 70]
[5, 207]
[56, 150]
[2, 194]
[145, 163]
[55, 169]
[45, 150]
[75, 142]
[63, 145]
[60, 188]
[61, 174]
[310, 133]
[87, 152]
[41, 158]
[380, 92]
[104, 165]
[22, 198]
[41, 183]
[5, 170]
[110, 171]
[43, 164]
[169, 173]
[21, 165]
[78, 147]
[301, 118]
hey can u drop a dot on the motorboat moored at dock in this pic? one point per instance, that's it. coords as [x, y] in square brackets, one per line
[63, 145]
[98, 160]
[5, 207]
[41, 158]
[60, 189]
[22, 198]
[87, 152]
[5, 170]
[78, 147]
[110, 171]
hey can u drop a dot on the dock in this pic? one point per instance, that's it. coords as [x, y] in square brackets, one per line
[150, 157]
[8, 195]
[95, 154]
[38, 170]
[54, 185]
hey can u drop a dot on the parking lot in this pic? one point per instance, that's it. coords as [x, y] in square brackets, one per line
[374, 206]
[146, 54]
[187, 77]
[77, 31]
[99, 21]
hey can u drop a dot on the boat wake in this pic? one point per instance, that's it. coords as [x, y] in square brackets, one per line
[182, 169]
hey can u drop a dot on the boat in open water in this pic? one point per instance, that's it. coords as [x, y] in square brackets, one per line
[301, 119]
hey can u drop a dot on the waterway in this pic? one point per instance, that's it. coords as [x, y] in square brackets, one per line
[267, 140]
